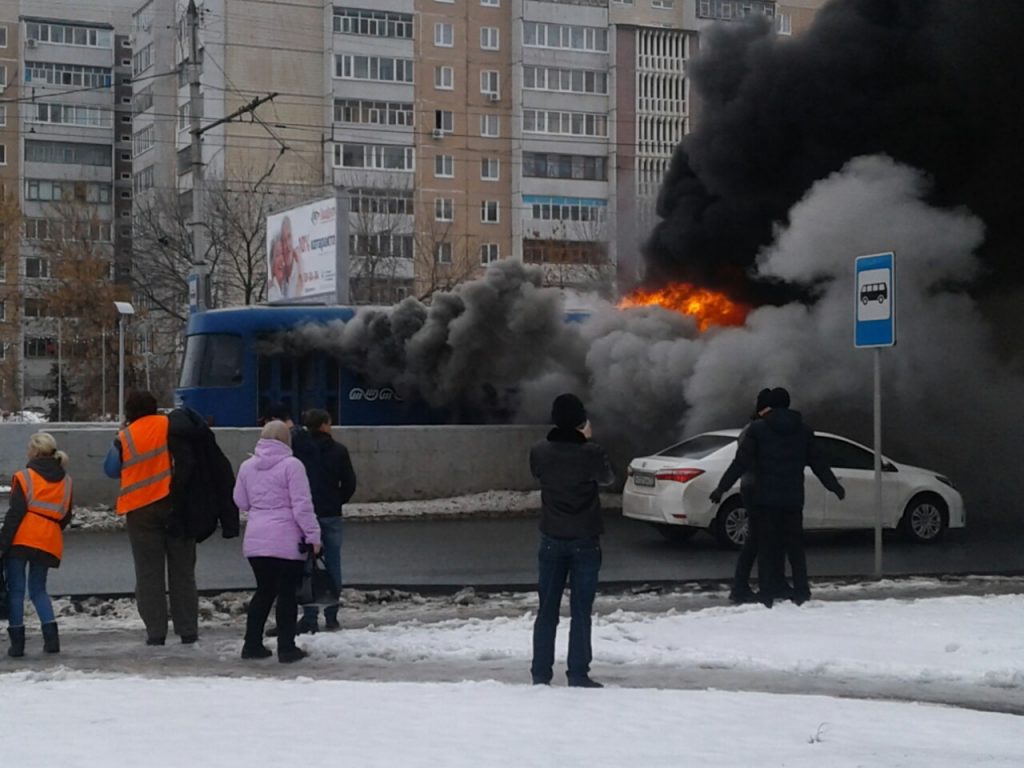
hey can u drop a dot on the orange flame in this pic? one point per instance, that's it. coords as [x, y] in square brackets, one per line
[709, 307]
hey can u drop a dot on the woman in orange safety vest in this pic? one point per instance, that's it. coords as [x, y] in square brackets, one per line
[32, 537]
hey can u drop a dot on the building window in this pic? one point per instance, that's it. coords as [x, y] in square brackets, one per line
[539, 34]
[489, 39]
[489, 167]
[373, 112]
[444, 120]
[40, 347]
[3, 35]
[3, 316]
[444, 35]
[704, 8]
[142, 59]
[784, 24]
[551, 166]
[67, 153]
[70, 114]
[490, 126]
[491, 3]
[3, 154]
[489, 211]
[383, 69]
[65, 74]
[665, 4]
[444, 78]
[564, 123]
[36, 307]
[444, 209]
[726, 12]
[66, 34]
[356, 21]
[490, 83]
[3, 76]
[444, 166]
[565, 80]
[45, 191]
[566, 208]
[37, 267]
[489, 252]
[443, 252]
[3, 115]
[376, 157]
[143, 141]
[381, 201]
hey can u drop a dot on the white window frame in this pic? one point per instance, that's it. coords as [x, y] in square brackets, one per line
[486, 208]
[488, 164]
[444, 30]
[3, 76]
[443, 252]
[490, 39]
[486, 121]
[444, 166]
[3, 154]
[491, 3]
[3, 115]
[665, 5]
[784, 24]
[439, 78]
[442, 124]
[3, 35]
[490, 82]
[444, 209]
[489, 253]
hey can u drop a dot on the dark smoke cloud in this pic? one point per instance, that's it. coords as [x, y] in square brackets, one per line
[935, 84]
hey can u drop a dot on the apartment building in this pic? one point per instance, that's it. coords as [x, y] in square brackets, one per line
[66, 89]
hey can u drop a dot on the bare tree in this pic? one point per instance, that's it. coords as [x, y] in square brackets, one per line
[10, 242]
[574, 256]
[444, 258]
[382, 243]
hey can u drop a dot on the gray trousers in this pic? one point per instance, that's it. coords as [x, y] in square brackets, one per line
[154, 551]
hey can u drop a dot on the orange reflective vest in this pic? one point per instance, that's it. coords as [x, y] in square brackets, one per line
[46, 504]
[145, 463]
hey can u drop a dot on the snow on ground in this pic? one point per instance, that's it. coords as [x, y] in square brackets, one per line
[102, 518]
[477, 709]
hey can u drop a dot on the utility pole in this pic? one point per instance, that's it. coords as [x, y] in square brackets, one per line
[195, 106]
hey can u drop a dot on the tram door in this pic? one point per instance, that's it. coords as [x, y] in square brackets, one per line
[299, 382]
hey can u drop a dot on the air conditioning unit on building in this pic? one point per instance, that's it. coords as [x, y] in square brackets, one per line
[31, 43]
[493, 97]
[437, 133]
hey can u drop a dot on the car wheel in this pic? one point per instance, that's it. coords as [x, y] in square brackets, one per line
[676, 534]
[730, 526]
[925, 518]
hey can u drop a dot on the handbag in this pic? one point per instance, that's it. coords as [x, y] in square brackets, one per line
[5, 605]
[317, 587]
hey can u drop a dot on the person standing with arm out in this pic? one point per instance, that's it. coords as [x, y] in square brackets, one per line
[570, 469]
[32, 537]
[332, 481]
[273, 489]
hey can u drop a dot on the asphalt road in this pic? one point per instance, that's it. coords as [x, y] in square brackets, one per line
[500, 552]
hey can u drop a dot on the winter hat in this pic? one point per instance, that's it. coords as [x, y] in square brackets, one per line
[567, 412]
[779, 398]
[763, 400]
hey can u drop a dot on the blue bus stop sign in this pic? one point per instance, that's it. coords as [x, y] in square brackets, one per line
[875, 297]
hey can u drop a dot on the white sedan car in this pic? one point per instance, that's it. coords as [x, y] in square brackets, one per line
[670, 490]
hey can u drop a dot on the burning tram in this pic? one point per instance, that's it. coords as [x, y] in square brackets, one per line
[232, 376]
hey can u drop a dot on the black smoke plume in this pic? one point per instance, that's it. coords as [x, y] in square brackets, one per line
[934, 84]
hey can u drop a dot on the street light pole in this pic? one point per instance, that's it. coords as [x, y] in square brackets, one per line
[60, 370]
[124, 309]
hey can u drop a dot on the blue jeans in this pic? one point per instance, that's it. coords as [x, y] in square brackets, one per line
[330, 538]
[36, 591]
[579, 561]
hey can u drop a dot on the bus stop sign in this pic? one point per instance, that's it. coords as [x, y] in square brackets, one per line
[875, 319]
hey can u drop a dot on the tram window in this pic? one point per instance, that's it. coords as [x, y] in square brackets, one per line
[212, 360]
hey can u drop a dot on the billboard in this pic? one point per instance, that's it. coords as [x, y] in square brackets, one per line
[304, 260]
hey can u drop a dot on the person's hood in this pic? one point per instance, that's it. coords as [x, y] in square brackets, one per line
[784, 421]
[560, 435]
[269, 453]
[48, 467]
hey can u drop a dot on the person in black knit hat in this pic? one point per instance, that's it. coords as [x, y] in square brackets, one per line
[570, 469]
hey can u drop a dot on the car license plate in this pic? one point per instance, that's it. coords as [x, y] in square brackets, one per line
[643, 479]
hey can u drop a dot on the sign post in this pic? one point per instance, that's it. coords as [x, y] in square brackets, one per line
[874, 328]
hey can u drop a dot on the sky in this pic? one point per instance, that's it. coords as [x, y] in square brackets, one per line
[455, 692]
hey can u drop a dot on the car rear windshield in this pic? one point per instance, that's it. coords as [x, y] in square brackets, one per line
[697, 447]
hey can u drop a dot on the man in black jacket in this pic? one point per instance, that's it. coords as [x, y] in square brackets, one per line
[570, 469]
[776, 449]
[332, 481]
[741, 592]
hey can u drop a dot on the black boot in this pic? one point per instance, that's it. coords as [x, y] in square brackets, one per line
[51, 640]
[17, 635]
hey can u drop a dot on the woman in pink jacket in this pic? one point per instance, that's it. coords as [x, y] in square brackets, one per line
[273, 488]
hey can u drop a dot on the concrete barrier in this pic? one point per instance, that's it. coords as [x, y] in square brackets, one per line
[392, 463]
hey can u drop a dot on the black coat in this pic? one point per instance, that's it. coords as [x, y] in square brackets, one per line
[203, 481]
[571, 470]
[332, 479]
[53, 472]
[775, 450]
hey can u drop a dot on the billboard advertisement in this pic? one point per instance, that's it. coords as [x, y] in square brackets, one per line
[302, 253]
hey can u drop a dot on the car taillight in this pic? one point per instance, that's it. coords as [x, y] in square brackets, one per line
[679, 475]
